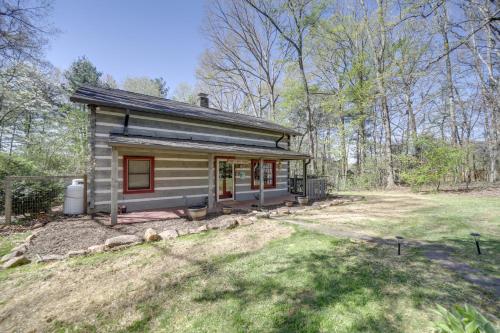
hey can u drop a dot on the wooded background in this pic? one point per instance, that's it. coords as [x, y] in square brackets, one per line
[385, 91]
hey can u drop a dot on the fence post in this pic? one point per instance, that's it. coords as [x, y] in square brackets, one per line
[8, 200]
[85, 186]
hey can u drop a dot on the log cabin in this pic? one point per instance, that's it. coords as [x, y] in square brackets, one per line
[154, 153]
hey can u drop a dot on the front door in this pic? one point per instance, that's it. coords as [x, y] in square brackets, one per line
[225, 180]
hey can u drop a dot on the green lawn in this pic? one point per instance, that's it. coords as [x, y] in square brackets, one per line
[268, 277]
[440, 219]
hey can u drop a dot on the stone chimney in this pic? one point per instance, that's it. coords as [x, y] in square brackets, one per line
[203, 100]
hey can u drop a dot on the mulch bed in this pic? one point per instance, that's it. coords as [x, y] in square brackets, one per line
[77, 233]
[66, 234]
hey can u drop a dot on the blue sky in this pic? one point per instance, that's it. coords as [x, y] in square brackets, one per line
[130, 38]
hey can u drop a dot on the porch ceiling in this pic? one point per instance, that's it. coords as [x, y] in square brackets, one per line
[118, 140]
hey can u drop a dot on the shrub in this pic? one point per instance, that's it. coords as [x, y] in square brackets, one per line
[434, 161]
[28, 197]
[35, 196]
[466, 319]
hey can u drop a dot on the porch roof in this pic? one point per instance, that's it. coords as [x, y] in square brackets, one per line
[117, 140]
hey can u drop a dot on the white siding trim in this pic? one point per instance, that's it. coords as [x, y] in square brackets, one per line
[180, 169]
[165, 188]
[102, 146]
[180, 178]
[153, 199]
[181, 159]
[248, 184]
[108, 180]
[268, 190]
[187, 123]
[160, 159]
[157, 129]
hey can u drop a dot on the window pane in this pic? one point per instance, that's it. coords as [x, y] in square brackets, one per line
[138, 166]
[268, 174]
[138, 174]
[138, 181]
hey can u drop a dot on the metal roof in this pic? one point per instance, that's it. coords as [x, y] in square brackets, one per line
[203, 146]
[133, 101]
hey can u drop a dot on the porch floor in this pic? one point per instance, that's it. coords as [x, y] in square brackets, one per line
[253, 204]
[179, 212]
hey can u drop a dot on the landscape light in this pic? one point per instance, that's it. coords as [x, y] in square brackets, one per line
[476, 237]
[400, 240]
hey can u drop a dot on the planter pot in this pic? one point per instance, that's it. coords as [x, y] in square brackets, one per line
[197, 212]
[289, 203]
[303, 200]
[227, 210]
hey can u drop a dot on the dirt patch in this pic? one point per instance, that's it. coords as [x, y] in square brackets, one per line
[80, 290]
[69, 234]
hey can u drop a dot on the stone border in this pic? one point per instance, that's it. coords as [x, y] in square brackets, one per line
[17, 255]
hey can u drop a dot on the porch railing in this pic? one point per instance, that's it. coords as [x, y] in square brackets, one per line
[316, 187]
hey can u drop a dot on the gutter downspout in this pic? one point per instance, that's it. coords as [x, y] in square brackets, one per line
[125, 124]
[281, 138]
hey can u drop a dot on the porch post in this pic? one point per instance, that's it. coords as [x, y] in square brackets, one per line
[114, 186]
[261, 182]
[211, 181]
[304, 167]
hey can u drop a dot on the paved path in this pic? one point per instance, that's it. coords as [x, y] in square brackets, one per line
[440, 254]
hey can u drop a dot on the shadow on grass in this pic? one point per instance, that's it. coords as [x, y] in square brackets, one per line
[305, 283]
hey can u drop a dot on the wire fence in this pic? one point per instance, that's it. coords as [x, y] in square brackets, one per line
[31, 199]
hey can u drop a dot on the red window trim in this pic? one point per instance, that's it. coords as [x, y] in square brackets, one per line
[256, 186]
[151, 160]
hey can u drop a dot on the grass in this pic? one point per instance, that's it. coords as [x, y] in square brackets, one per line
[305, 283]
[266, 277]
[441, 219]
[8, 242]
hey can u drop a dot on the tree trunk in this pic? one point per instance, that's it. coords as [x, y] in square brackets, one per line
[310, 127]
[449, 77]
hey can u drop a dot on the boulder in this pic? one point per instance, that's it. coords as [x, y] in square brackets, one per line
[29, 238]
[182, 232]
[150, 235]
[16, 261]
[11, 255]
[20, 248]
[37, 225]
[50, 257]
[96, 248]
[199, 229]
[168, 234]
[247, 220]
[262, 215]
[322, 206]
[229, 224]
[213, 225]
[76, 253]
[121, 240]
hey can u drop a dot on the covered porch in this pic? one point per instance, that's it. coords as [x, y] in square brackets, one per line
[226, 164]
[180, 212]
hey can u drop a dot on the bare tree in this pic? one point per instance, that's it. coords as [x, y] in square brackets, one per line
[293, 19]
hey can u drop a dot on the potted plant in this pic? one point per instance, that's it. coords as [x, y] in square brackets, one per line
[227, 210]
[302, 200]
[198, 212]
[289, 203]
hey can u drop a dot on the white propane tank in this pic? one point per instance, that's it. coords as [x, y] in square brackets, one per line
[73, 198]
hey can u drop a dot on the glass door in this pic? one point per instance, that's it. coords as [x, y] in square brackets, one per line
[225, 180]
